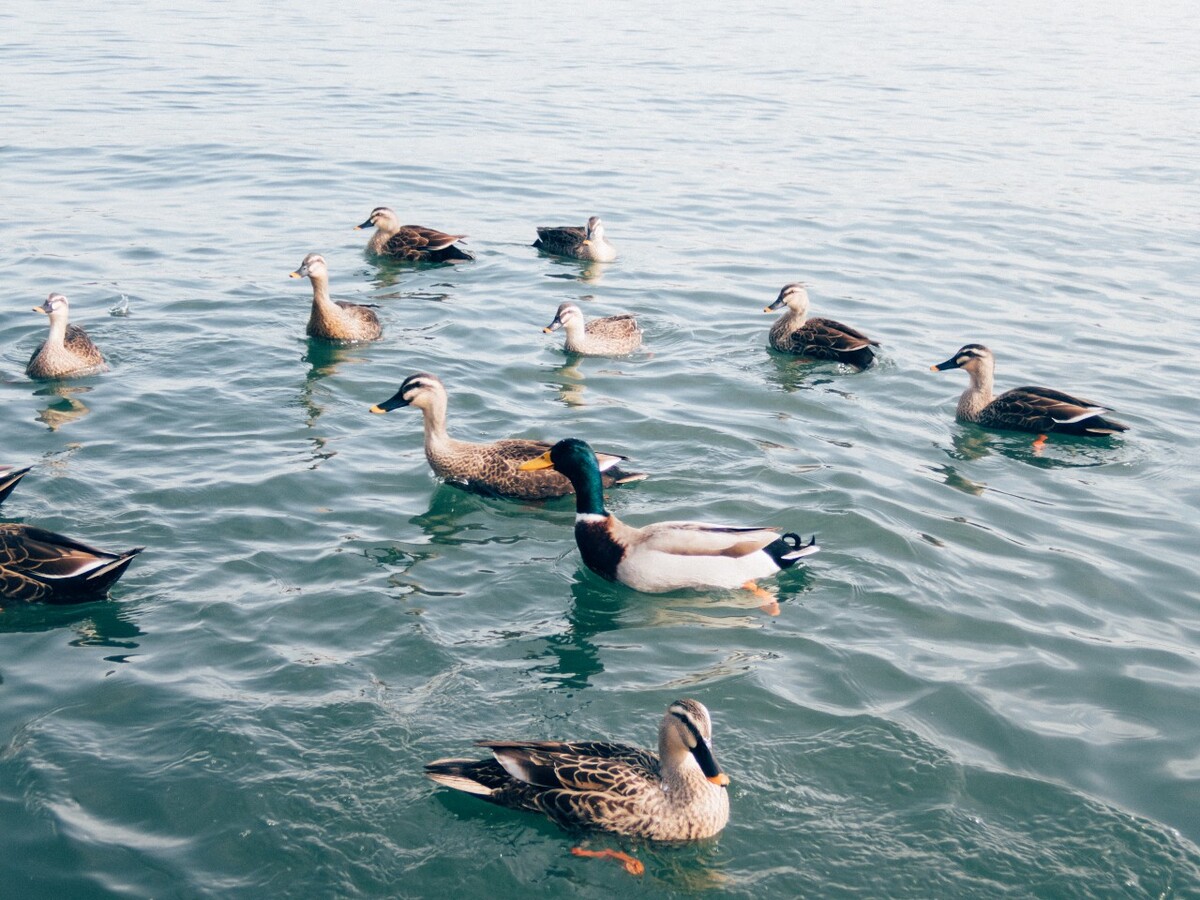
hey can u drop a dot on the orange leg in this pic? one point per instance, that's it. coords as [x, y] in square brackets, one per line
[632, 866]
[1040, 444]
[770, 605]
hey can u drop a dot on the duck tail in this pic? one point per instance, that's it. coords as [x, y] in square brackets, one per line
[790, 548]
[1101, 425]
[461, 775]
[453, 254]
[9, 479]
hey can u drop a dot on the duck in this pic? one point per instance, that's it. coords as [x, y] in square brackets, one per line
[795, 333]
[610, 336]
[665, 556]
[678, 794]
[412, 243]
[494, 468]
[37, 565]
[10, 478]
[571, 241]
[68, 351]
[1034, 409]
[335, 320]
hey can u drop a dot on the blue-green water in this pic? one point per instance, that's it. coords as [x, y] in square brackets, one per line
[987, 683]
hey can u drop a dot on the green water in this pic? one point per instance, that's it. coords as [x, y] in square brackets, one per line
[987, 682]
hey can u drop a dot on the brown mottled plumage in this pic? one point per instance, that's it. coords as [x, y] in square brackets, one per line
[487, 468]
[577, 243]
[795, 333]
[677, 795]
[1035, 409]
[335, 320]
[39, 565]
[67, 351]
[611, 336]
[9, 478]
[411, 243]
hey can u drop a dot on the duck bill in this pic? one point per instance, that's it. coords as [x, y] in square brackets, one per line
[708, 764]
[538, 462]
[394, 402]
[943, 366]
[299, 273]
[366, 224]
[43, 310]
[552, 327]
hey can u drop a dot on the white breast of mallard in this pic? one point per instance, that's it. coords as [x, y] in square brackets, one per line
[654, 572]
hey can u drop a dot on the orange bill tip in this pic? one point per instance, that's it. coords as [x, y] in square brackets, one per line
[379, 410]
[720, 779]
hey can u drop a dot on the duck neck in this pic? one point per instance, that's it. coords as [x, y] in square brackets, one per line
[320, 286]
[576, 333]
[434, 413]
[589, 494]
[383, 234]
[58, 330]
[977, 395]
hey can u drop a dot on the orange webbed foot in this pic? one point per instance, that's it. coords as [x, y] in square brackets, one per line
[770, 605]
[1039, 444]
[632, 865]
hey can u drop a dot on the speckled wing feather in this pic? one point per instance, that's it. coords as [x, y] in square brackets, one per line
[699, 539]
[365, 318]
[827, 339]
[39, 565]
[1031, 408]
[564, 240]
[613, 327]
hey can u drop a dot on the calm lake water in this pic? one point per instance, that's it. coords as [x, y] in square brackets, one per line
[986, 684]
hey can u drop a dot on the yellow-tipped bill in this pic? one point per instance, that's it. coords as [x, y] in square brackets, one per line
[378, 409]
[768, 309]
[539, 462]
[720, 779]
[295, 275]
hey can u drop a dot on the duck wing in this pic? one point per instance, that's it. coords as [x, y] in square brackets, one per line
[830, 336]
[562, 239]
[622, 326]
[1044, 409]
[36, 564]
[576, 766]
[699, 539]
[418, 238]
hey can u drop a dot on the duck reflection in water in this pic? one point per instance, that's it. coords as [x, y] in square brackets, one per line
[65, 408]
[323, 359]
[97, 624]
[971, 442]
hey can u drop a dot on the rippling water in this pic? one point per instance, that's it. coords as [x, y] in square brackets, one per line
[986, 684]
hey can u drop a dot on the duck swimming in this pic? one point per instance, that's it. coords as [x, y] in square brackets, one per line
[1035, 409]
[577, 243]
[68, 351]
[677, 795]
[411, 243]
[493, 468]
[665, 556]
[338, 320]
[795, 333]
[610, 336]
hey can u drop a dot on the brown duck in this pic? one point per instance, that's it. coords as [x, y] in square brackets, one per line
[411, 243]
[795, 333]
[338, 320]
[68, 351]
[677, 794]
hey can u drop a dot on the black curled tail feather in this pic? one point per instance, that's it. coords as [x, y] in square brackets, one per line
[790, 548]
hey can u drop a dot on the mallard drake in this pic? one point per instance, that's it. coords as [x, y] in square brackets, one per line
[611, 336]
[795, 333]
[411, 243]
[39, 565]
[68, 351]
[488, 468]
[665, 556]
[577, 243]
[335, 320]
[678, 795]
[9, 478]
[1035, 409]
